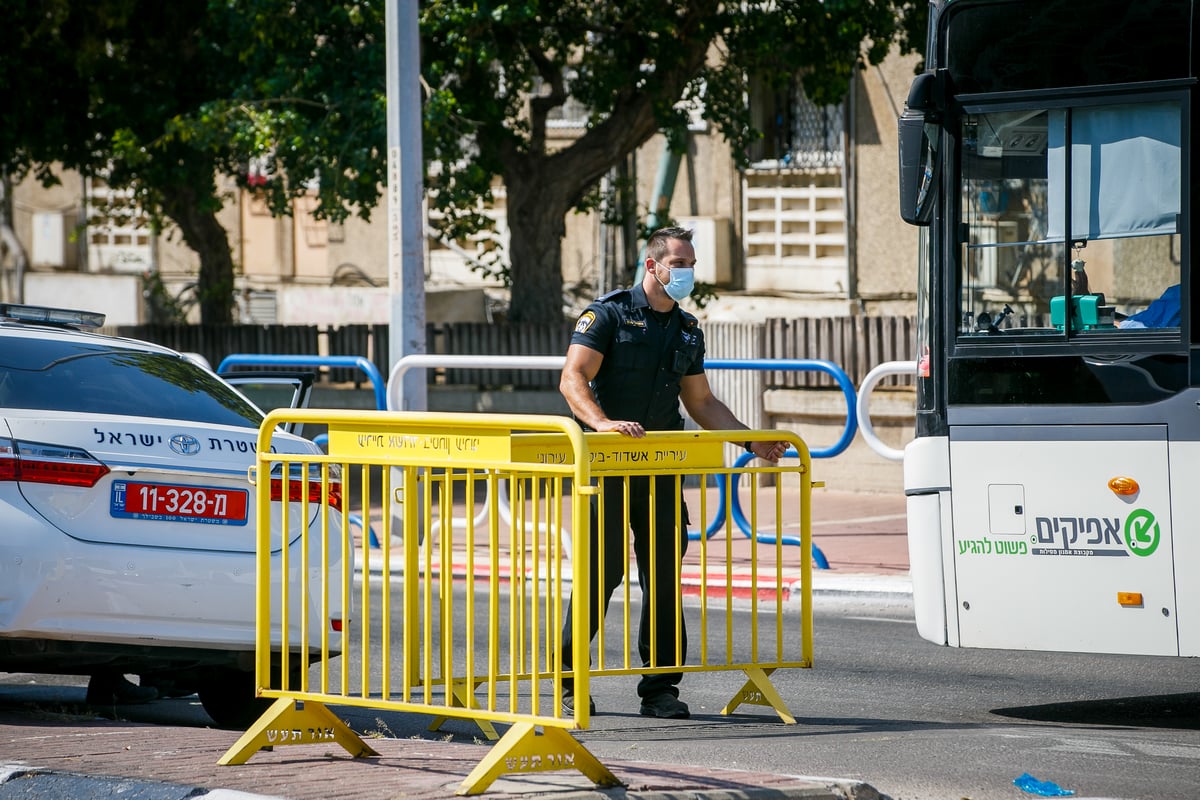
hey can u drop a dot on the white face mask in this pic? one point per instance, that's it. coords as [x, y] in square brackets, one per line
[683, 280]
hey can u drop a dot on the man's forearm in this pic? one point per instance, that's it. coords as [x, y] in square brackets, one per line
[578, 394]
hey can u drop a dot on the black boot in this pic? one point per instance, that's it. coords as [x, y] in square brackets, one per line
[113, 688]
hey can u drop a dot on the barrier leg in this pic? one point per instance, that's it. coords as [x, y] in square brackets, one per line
[463, 696]
[290, 721]
[759, 691]
[522, 749]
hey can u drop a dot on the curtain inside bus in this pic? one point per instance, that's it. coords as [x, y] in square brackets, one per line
[1125, 170]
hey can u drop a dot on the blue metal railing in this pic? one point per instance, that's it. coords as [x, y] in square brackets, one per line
[804, 365]
[364, 364]
[382, 391]
[739, 518]
[266, 360]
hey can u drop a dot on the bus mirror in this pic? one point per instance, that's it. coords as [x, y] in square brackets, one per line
[918, 152]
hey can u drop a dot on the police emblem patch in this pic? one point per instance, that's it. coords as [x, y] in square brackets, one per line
[585, 321]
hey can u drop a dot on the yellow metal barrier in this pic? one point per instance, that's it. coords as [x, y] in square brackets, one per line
[467, 621]
[722, 570]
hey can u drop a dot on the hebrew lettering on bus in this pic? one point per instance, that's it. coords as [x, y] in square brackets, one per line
[1077, 536]
[1104, 531]
[989, 547]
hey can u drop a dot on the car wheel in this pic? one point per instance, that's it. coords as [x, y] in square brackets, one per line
[167, 685]
[228, 697]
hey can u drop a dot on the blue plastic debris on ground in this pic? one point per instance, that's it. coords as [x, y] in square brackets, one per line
[1030, 784]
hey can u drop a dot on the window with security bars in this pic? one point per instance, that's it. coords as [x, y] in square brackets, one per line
[793, 199]
[797, 133]
[118, 234]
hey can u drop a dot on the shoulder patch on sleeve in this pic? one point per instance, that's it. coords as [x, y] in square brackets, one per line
[585, 321]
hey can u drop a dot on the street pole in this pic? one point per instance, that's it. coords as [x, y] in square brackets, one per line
[405, 191]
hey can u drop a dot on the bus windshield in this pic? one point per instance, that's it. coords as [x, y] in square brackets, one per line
[1113, 170]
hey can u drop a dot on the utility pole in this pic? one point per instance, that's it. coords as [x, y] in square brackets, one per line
[405, 192]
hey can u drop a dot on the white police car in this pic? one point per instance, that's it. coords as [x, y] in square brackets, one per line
[127, 522]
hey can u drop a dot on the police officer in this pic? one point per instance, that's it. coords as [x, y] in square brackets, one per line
[633, 356]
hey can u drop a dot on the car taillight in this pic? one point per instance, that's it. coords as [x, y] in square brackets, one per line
[36, 462]
[296, 490]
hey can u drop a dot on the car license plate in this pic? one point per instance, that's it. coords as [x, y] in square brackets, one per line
[166, 502]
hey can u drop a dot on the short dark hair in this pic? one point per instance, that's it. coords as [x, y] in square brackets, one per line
[656, 245]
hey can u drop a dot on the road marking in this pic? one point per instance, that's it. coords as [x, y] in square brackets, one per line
[858, 520]
[1191, 751]
[1088, 746]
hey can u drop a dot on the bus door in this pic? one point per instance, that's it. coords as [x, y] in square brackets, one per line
[1062, 538]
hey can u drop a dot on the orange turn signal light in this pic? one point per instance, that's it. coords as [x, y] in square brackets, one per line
[1129, 599]
[1124, 486]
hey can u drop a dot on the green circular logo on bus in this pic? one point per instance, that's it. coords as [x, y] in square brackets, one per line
[1142, 533]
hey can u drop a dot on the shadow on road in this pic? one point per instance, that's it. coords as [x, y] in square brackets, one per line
[1181, 711]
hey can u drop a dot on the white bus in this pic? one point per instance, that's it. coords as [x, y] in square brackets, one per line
[1054, 482]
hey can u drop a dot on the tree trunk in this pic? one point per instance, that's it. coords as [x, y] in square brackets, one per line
[537, 209]
[197, 220]
[9, 242]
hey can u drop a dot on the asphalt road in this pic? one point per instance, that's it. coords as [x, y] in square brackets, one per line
[880, 705]
[917, 721]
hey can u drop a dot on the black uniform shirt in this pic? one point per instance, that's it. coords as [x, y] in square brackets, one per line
[644, 357]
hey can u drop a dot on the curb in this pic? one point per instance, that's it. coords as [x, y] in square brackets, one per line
[894, 586]
[20, 782]
[742, 584]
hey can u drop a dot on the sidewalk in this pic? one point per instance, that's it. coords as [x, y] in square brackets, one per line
[46, 754]
[175, 762]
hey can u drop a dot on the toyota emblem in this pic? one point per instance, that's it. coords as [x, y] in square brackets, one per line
[185, 444]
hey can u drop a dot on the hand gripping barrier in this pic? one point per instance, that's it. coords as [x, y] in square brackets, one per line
[476, 623]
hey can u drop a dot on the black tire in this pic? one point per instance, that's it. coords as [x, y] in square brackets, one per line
[228, 697]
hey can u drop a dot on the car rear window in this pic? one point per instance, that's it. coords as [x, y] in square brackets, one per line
[118, 381]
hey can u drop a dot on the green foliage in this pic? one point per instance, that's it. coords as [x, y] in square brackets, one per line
[496, 71]
[161, 307]
[703, 294]
[163, 97]
[290, 98]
